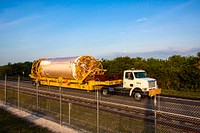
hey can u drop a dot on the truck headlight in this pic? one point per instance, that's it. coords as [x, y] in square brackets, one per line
[152, 84]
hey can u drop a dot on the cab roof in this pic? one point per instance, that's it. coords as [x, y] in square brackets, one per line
[134, 70]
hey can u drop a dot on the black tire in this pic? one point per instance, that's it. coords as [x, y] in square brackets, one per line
[137, 96]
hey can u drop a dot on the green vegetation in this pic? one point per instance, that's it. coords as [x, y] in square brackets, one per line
[12, 124]
[16, 69]
[177, 75]
[181, 94]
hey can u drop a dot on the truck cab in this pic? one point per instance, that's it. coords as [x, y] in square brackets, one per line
[138, 83]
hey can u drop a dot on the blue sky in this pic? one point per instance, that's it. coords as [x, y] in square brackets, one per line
[32, 29]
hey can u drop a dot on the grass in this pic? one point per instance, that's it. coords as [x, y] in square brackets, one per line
[181, 94]
[12, 124]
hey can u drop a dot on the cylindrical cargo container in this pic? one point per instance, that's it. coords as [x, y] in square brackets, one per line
[74, 68]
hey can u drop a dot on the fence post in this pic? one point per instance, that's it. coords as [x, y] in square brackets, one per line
[18, 91]
[69, 113]
[159, 102]
[5, 88]
[155, 106]
[97, 111]
[48, 102]
[60, 92]
[37, 97]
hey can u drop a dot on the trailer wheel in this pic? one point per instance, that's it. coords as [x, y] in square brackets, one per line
[137, 96]
[105, 92]
[34, 84]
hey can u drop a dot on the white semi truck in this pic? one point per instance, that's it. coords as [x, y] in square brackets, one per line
[136, 83]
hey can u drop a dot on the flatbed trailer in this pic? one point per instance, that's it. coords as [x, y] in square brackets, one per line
[74, 84]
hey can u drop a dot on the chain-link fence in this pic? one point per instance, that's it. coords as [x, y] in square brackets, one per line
[93, 112]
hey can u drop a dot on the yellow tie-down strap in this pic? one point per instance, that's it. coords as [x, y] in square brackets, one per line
[154, 92]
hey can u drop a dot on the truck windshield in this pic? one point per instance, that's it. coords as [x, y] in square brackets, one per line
[140, 74]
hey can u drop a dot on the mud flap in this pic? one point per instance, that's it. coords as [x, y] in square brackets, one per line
[154, 92]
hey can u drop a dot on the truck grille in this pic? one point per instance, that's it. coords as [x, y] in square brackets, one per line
[151, 84]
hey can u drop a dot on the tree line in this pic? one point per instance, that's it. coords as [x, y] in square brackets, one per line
[180, 73]
[16, 69]
[177, 72]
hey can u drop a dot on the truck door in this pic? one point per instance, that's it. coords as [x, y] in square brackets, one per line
[128, 80]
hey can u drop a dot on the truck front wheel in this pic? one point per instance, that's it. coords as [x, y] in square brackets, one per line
[137, 96]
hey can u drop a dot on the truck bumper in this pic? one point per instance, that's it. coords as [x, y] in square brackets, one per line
[154, 92]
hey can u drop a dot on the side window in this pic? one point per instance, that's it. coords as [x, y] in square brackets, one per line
[129, 75]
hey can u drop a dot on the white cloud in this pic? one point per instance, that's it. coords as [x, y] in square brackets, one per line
[19, 21]
[159, 54]
[141, 19]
